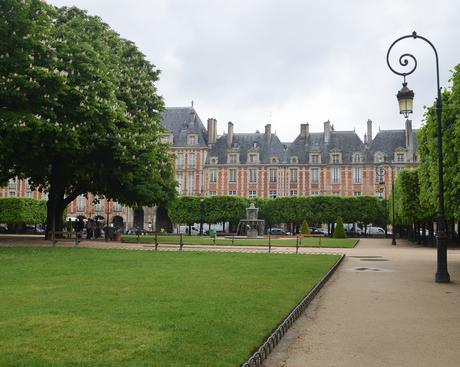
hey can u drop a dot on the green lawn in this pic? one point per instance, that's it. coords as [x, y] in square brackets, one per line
[206, 240]
[94, 307]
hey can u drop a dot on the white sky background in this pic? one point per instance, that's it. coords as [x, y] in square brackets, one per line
[288, 62]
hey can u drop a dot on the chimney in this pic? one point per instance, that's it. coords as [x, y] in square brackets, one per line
[268, 133]
[365, 138]
[304, 131]
[327, 131]
[212, 131]
[230, 135]
[409, 140]
[369, 130]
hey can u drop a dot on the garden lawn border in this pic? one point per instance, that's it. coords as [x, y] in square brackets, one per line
[262, 352]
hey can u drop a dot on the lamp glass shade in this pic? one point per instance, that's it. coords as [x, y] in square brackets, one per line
[406, 100]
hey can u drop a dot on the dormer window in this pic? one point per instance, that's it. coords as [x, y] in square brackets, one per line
[294, 160]
[400, 157]
[165, 139]
[314, 158]
[213, 160]
[378, 157]
[335, 157]
[232, 158]
[253, 158]
[274, 160]
[357, 158]
[192, 139]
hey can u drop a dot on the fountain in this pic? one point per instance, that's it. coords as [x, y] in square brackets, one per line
[251, 227]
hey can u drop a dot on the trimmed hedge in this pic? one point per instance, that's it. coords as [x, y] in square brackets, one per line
[22, 210]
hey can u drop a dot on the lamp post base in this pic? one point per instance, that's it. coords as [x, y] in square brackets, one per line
[442, 276]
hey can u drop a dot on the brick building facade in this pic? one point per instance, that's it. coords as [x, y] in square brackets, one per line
[260, 165]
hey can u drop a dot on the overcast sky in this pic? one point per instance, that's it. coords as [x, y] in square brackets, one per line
[288, 62]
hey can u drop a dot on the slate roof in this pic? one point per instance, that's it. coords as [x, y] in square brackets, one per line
[387, 141]
[244, 142]
[181, 121]
[347, 142]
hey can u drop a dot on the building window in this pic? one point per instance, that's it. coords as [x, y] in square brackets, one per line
[81, 203]
[233, 158]
[191, 183]
[191, 140]
[116, 206]
[335, 175]
[29, 194]
[378, 157]
[252, 158]
[213, 160]
[100, 205]
[273, 175]
[180, 160]
[379, 176]
[252, 175]
[274, 160]
[400, 157]
[336, 193]
[314, 158]
[356, 175]
[212, 175]
[335, 159]
[12, 194]
[212, 193]
[12, 184]
[180, 182]
[314, 175]
[356, 193]
[293, 175]
[191, 160]
[252, 194]
[293, 193]
[357, 158]
[232, 175]
[165, 139]
[294, 160]
[232, 192]
[272, 194]
[315, 193]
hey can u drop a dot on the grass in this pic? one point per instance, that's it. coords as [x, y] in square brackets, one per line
[93, 307]
[221, 241]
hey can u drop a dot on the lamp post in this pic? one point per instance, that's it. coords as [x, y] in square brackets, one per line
[405, 98]
[201, 215]
[380, 171]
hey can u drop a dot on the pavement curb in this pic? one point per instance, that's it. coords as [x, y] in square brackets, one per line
[270, 343]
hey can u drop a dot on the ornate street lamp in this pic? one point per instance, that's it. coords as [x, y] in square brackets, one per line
[380, 172]
[406, 99]
[201, 215]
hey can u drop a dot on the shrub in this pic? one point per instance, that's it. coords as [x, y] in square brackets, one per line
[304, 228]
[339, 231]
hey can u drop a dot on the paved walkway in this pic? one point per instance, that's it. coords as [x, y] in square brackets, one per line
[379, 311]
[381, 307]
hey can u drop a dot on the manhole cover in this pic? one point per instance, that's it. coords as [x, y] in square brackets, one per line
[368, 270]
[374, 259]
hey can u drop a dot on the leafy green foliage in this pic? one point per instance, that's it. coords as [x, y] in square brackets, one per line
[22, 210]
[80, 111]
[428, 151]
[313, 209]
[304, 228]
[339, 231]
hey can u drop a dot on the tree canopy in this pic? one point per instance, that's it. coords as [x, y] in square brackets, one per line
[428, 150]
[80, 111]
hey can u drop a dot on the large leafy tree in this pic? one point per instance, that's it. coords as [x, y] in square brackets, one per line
[428, 150]
[79, 109]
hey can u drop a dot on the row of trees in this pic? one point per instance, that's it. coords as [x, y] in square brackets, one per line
[288, 210]
[79, 109]
[416, 190]
[16, 212]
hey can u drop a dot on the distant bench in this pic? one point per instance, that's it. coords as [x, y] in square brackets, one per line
[64, 236]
